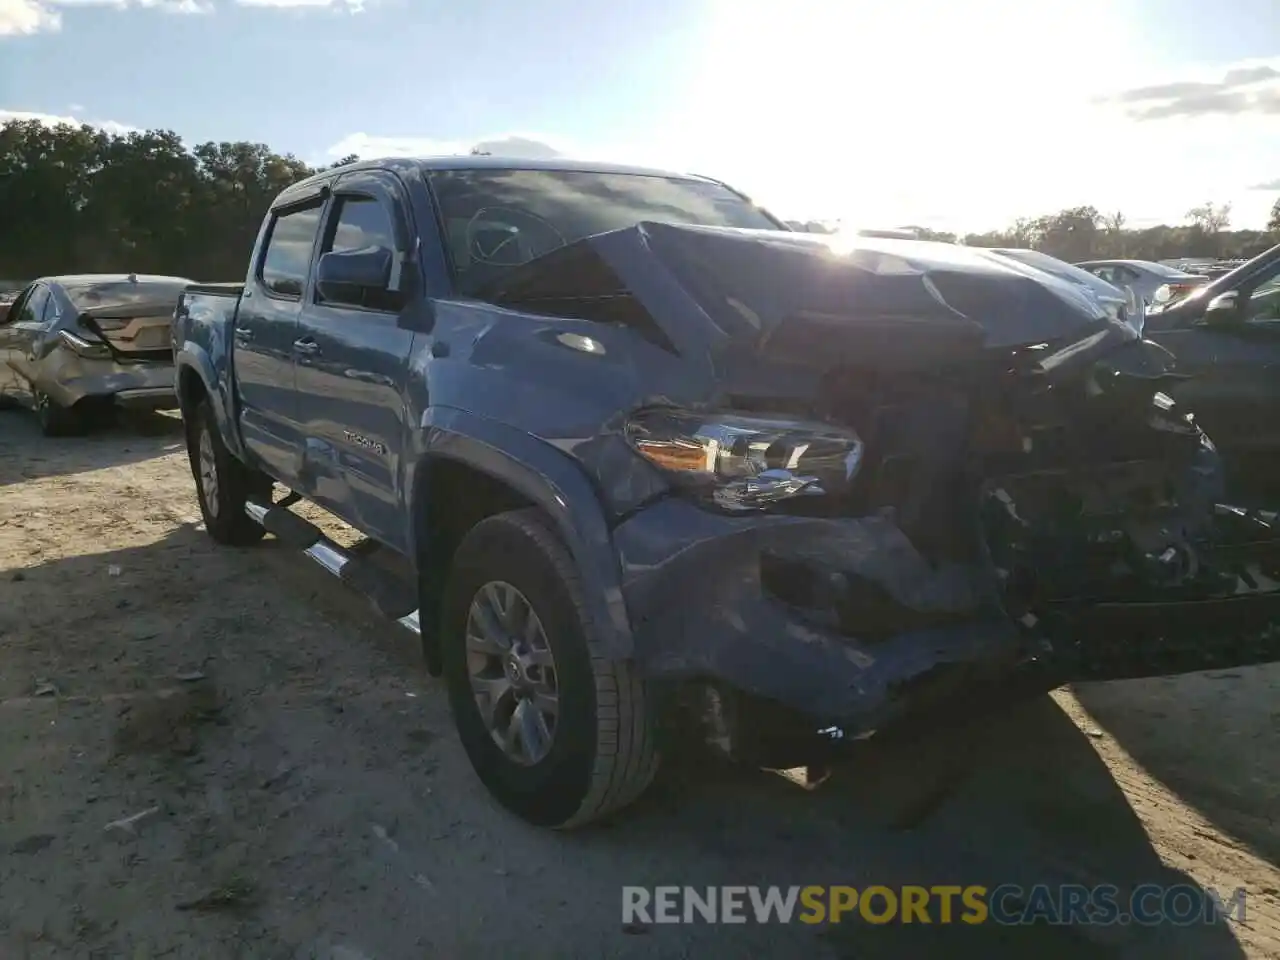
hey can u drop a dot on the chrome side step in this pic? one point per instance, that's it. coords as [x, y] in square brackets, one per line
[291, 528]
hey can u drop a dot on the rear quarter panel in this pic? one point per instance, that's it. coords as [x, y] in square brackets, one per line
[202, 329]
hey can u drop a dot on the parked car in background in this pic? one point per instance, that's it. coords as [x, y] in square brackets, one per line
[1120, 303]
[636, 458]
[1226, 336]
[1154, 282]
[72, 343]
[6, 301]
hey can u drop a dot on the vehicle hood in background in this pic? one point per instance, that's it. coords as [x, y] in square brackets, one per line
[798, 297]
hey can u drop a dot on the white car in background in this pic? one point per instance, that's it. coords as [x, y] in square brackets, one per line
[1156, 283]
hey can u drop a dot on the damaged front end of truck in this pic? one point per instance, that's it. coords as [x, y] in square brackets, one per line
[914, 475]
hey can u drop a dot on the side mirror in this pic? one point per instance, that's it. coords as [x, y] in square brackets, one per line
[1224, 309]
[348, 275]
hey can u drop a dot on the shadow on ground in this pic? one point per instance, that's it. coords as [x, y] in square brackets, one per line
[324, 783]
[1234, 712]
[128, 438]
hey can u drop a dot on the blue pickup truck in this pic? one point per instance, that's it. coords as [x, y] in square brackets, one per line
[637, 461]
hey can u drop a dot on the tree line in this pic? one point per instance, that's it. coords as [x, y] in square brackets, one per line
[79, 199]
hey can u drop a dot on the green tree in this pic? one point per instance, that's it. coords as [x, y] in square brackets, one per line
[75, 198]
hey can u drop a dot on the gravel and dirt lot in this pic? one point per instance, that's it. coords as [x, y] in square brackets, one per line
[210, 753]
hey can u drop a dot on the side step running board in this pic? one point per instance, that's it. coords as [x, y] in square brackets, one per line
[391, 595]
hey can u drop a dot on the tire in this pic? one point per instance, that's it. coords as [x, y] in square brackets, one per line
[56, 420]
[602, 752]
[223, 483]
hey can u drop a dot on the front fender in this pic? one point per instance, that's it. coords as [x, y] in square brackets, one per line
[192, 356]
[551, 480]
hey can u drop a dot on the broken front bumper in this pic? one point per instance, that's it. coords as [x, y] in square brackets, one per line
[764, 605]
[844, 622]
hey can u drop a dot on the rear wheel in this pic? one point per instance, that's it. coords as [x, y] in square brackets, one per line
[558, 733]
[56, 420]
[223, 484]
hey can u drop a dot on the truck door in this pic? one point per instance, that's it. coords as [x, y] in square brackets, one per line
[353, 363]
[266, 326]
[1234, 389]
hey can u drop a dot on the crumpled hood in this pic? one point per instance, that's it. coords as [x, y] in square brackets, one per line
[799, 297]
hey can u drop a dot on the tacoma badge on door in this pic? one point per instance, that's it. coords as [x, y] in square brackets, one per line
[374, 445]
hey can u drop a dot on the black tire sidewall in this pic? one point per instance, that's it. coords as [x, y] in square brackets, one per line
[53, 420]
[199, 423]
[231, 526]
[551, 791]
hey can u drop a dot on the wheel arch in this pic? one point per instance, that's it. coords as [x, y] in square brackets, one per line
[470, 468]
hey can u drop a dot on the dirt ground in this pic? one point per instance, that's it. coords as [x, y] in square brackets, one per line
[215, 753]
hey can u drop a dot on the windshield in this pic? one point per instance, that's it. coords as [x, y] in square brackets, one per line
[497, 219]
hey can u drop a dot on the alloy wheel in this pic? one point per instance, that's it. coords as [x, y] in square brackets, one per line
[512, 672]
[208, 465]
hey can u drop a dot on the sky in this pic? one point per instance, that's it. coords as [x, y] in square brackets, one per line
[954, 115]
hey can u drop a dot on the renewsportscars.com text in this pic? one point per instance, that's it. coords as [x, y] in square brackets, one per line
[1008, 904]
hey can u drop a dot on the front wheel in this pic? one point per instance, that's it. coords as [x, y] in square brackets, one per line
[223, 484]
[558, 733]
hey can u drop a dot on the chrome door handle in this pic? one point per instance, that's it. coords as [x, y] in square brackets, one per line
[306, 347]
[243, 335]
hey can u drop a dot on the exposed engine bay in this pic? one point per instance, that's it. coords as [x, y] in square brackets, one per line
[877, 477]
[1087, 494]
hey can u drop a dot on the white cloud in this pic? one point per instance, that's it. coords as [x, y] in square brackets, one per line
[355, 6]
[504, 145]
[53, 120]
[1238, 89]
[23, 17]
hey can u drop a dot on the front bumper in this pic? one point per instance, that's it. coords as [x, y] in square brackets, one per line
[843, 622]
[760, 604]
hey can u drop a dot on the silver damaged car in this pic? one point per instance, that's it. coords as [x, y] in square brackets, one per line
[73, 344]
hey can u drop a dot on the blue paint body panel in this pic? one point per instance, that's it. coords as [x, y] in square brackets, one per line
[353, 408]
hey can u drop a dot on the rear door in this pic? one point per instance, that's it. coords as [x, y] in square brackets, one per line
[352, 367]
[266, 326]
[1234, 388]
[18, 335]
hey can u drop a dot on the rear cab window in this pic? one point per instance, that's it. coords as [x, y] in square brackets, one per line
[286, 258]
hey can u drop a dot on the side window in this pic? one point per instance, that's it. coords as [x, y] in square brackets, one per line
[358, 223]
[1263, 305]
[286, 260]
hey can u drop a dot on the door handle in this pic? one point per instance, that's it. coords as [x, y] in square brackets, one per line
[243, 334]
[306, 346]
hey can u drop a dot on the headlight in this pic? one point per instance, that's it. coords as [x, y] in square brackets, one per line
[746, 463]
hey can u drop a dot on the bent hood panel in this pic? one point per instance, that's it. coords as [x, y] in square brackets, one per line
[799, 297]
